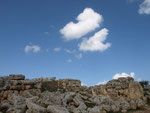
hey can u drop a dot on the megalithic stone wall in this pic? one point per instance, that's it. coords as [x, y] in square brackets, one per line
[124, 87]
[18, 83]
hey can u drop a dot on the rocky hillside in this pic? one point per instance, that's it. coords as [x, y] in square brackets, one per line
[20, 95]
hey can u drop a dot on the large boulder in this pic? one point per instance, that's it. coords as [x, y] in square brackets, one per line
[135, 91]
[68, 97]
[101, 100]
[82, 107]
[19, 104]
[55, 98]
[96, 109]
[6, 106]
[16, 77]
[33, 107]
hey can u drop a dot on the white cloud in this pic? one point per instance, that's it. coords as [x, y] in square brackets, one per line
[88, 21]
[104, 82]
[120, 75]
[96, 42]
[69, 60]
[57, 49]
[32, 48]
[70, 51]
[145, 7]
[79, 56]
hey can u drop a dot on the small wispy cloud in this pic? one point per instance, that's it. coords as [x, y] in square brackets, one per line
[46, 33]
[131, 1]
[69, 60]
[57, 49]
[69, 51]
[79, 56]
[51, 26]
[32, 48]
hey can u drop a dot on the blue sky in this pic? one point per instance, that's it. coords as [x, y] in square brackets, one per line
[35, 39]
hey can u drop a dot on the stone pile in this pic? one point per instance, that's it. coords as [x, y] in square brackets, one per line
[19, 95]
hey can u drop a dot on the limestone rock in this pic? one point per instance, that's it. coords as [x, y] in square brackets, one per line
[19, 104]
[141, 103]
[16, 77]
[135, 91]
[78, 100]
[133, 104]
[5, 106]
[33, 107]
[96, 109]
[56, 109]
[20, 95]
[80, 109]
[67, 98]
[69, 83]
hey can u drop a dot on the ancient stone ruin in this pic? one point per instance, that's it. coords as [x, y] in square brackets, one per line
[20, 95]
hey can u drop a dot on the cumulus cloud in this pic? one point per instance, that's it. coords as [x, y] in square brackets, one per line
[120, 75]
[79, 56]
[57, 49]
[145, 7]
[32, 48]
[96, 42]
[88, 21]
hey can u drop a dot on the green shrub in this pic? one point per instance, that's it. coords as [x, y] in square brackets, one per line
[144, 83]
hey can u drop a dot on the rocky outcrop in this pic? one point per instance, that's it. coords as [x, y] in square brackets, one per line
[124, 87]
[20, 95]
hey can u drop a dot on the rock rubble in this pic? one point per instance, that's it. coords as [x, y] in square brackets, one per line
[20, 95]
